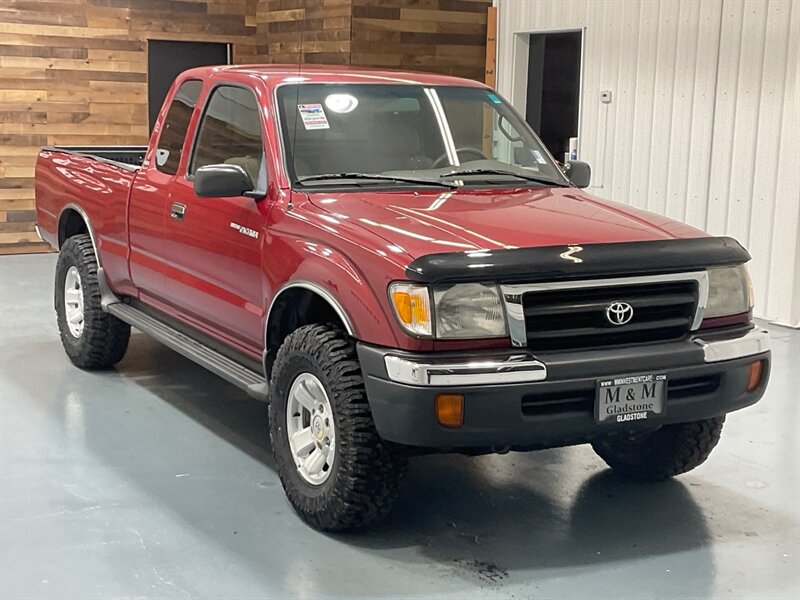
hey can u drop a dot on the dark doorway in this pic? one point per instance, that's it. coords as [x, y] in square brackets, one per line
[554, 74]
[165, 60]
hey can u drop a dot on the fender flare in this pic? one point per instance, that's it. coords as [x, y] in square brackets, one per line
[107, 296]
[320, 291]
[86, 220]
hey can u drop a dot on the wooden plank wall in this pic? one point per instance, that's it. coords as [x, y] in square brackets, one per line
[442, 36]
[317, 29]
[75, 72]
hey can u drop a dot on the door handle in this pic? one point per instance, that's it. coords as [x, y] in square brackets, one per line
[178, 211]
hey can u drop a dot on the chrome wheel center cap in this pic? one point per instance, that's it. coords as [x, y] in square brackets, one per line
[318, 428]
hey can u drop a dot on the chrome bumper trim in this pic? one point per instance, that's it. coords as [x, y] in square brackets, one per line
[518, 368]
[39, 233]
[525, 368]
[753, 342]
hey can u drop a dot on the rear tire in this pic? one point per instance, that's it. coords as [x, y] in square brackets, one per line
[355, 483]
[92, 338]
[664, 453]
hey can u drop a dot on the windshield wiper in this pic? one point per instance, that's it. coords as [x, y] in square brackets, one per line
[504, 172]
[377, 177]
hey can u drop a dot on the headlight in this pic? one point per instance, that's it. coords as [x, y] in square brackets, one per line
[730, 291]
[468, 310]
[412, 306]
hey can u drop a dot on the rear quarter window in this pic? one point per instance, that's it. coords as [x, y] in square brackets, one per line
[176, 123]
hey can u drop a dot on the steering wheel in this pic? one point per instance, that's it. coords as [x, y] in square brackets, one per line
[466, 150]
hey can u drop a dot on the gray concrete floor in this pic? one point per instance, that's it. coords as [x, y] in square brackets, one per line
[156, 480]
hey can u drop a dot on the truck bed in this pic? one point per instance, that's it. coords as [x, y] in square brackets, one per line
[127, 157]
[93, 182]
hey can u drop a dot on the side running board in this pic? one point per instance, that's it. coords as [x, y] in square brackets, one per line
[253, 383]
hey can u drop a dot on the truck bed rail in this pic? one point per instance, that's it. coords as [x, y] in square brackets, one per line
[127, 157]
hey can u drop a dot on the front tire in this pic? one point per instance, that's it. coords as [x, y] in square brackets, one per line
[664, 453]
[337, 472]
[92, 338]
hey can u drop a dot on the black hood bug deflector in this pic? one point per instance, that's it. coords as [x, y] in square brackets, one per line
[578, 261]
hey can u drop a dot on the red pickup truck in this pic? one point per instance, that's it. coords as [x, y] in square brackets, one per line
[396, 263]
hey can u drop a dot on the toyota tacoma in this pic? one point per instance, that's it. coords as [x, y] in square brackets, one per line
[398, 266]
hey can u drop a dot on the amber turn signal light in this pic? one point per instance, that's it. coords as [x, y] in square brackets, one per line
[754, 373]
[450, 410]
[412, 307]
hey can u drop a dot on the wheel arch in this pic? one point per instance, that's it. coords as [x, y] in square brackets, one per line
[72, 221]
[300, 303]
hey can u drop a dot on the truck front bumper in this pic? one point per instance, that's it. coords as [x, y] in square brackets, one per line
[518, 400]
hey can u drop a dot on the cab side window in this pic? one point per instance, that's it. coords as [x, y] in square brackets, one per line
[230, 132]
[173, 131]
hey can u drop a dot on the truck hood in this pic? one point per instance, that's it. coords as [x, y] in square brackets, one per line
[428, 222]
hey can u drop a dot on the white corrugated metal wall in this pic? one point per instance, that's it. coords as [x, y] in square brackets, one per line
[704, 123]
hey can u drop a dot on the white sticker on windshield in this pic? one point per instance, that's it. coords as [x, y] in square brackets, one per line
[313, 116]
[539, 158]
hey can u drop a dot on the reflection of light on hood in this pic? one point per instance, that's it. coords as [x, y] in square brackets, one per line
[416, 235]
[424, 216]
[440, 200]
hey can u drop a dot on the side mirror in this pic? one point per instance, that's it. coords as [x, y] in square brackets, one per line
[578, 172]
[222, 181]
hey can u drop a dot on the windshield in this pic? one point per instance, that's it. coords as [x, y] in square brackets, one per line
[462, 135]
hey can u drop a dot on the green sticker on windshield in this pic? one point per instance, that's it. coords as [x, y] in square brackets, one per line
[494, 98]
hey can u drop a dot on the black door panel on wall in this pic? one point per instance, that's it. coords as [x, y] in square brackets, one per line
[166, 59]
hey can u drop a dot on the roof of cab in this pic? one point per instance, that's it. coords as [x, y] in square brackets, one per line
[276, 74]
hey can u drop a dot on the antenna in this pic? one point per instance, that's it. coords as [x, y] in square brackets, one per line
[296, 110]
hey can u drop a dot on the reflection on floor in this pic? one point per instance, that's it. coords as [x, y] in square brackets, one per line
[156, 480]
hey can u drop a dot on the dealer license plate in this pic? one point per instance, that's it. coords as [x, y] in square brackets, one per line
[630, 398]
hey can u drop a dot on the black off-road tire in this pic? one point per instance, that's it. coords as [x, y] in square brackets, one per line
[367, 471]
[664, 453]
[104, 338]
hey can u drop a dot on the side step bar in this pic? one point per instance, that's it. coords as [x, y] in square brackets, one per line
[253, 383]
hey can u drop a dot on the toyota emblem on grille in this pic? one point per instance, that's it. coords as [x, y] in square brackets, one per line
[619, 313]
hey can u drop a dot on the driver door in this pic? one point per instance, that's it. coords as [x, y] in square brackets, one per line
[214, 245]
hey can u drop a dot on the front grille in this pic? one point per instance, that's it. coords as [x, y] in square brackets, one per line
[576, 318]
[582, 400]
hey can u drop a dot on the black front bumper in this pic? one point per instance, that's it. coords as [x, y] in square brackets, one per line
[560, 409]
